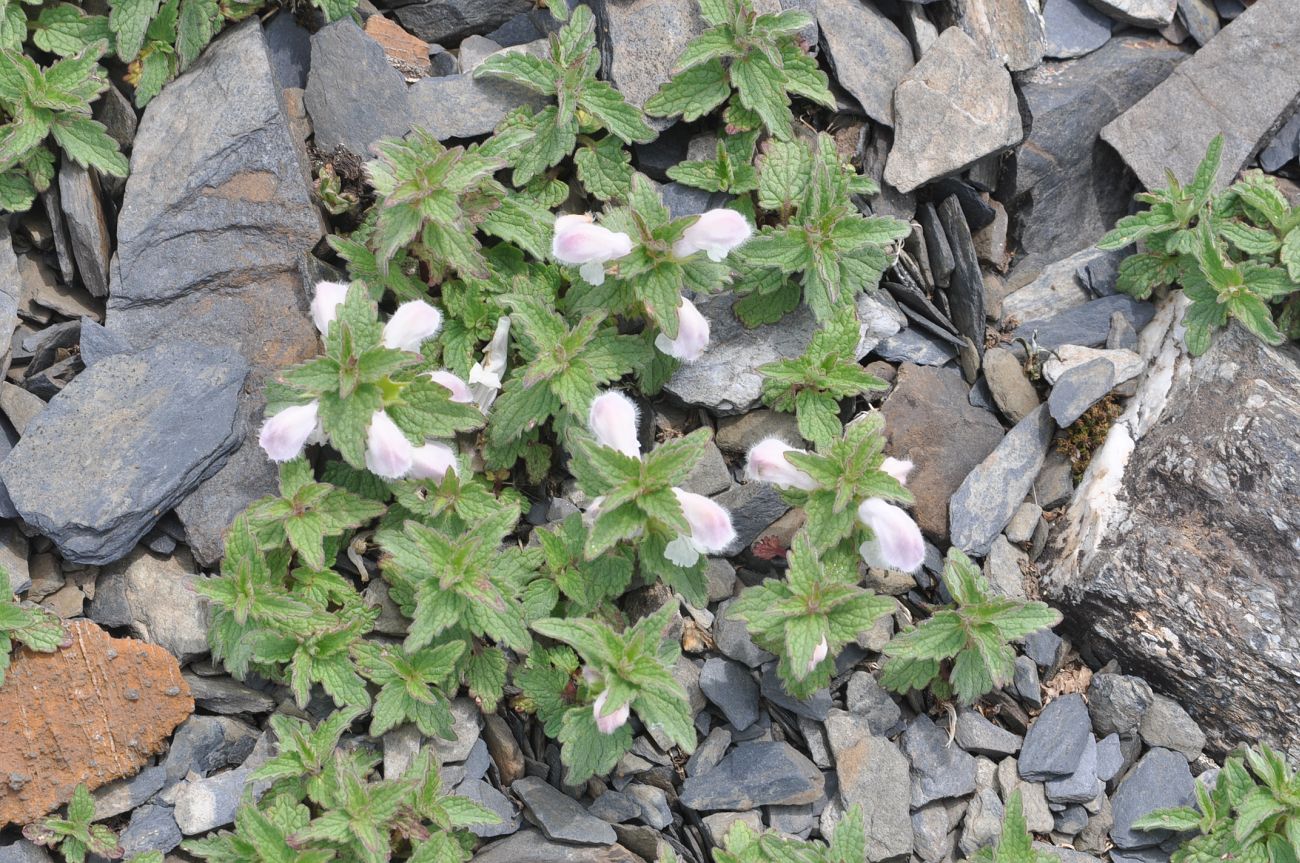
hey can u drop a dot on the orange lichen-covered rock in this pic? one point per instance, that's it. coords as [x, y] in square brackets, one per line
[92, 712]
[409, 52]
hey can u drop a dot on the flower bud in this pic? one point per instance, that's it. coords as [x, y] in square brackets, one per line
[325, 303]
[716, 232]
[819, 653]
[411, 325]
[692, 334]
[284, 435]
[711, 529]
[897, 543]
[432, 461]
[388, 453]
[897, 468]
[613, 421]
[611, 723]
[459, 389]
[767, 463]
[580, 241]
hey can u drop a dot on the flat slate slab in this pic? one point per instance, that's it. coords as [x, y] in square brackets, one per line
[1242, 85]
[122, 444]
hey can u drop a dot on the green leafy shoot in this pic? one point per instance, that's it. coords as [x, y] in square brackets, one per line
[807, 618]
[1015, 845]
[76, 834]
[755, 55]
[307, 512]
[413, 686]
[731, 170]
[848, 844]
[811, 386]
[822, 238]
[261, 835]
[33, 627]
[1252, 813]
[583, 106]
[584, 585]
[633, 669]
[549, 683]
[304, 753]
[1236, 255]
[964, 650]
[319, 652]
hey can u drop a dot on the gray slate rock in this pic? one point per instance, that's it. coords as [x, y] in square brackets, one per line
[98, 342]
[1026, 683]
[1046, 649]
[461, 106]
[1080, 388]
[1160, 780]
[142, 430]
[1010, 31]
[1200, 18]
[1139, 13]
[127, 794]
[640, 42]
[989, 495]
[152, 828]
[11, 282]
[1283, 146]
[867, 698]
[204, 744]
[1167, 725]
[953, 108]
[1241, 85]
[978, 735]
[615, 807]
[1080, 786]
[23, 851]
[1057, 740]
[753, 506]
[486, 795]
[1087, 325]
[1117, 703]
[731, 687]
[1073, 28]
[353, 95]
[1067, 187]
[732, 638]
[966, 285]
[449, 21]
[871, 772]
[88, 229]
[755, 774]
[227, 695]
[532, 846]
[815, 706]
[1110, 757]
[290, 46]
[913, 346]
[118, 116]
[206, 804]
[156, 599]
[867, 53]
[559, 816]
[983, 822]
[938, 770]
[209, 240]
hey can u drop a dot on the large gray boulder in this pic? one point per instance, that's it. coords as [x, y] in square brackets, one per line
[1178, 553]
[124, 443]
[1242, 85]
[217, 214]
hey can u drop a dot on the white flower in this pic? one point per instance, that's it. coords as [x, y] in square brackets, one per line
[580, 241]
[411, 325]
[716, 232]
[897, 544]
[613, 421]
[611, 723]
[819, 653]
[284, 435]
[692, 334]
[388, 453]
[897, 468]
[459, 389]
[432, 461]
[325, 303]
[485, 376]
[767, 463]
[711, 529]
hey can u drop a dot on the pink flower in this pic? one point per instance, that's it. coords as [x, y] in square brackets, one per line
[485, 376]
[410, 325]
[613, 420]
[692, 334]
[459, 389]
[284, 435]
[611, 723]
[325, 304]
[897, 543]
[767, 463]
[580, 242]
[388, 453]
[819, 653]
[897, 468]
[711, 529]
[716, 232]
[432, 461]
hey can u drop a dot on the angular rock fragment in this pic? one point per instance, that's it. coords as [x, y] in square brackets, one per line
[353, 95]
[867, 52]
[1010, 31]
[449, 21]
[871, 770]
[640, 42]
[1139, 13]
[752, 775]
[1072, 28]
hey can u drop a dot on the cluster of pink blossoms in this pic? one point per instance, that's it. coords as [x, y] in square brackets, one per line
[896, 541]
[389, 453]
[580, 242]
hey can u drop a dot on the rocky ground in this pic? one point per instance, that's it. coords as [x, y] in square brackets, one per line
[141, 320]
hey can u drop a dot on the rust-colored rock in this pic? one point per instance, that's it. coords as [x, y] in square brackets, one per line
[409, 52]
[92, 712]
